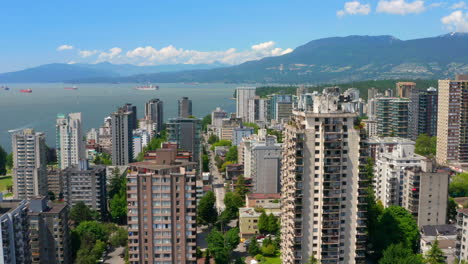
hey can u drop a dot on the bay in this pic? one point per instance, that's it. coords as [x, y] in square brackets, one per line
[39, 109]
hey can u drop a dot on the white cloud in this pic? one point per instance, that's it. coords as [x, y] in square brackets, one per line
[171, 55]
[87, 53]
[459, 5]
[354, 8]
[400, 7]
[64, 47]
[456, 21]
[113, 54]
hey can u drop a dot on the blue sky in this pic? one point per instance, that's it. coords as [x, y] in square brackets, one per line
[176, 31]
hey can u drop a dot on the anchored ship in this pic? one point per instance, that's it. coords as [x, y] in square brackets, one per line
[71, 88]
[148, 87]
[26, 90]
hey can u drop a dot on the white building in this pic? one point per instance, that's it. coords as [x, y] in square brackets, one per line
[462, 231]
[29, 164]
[257, 110]
[92, 135]
[446, 236]
[70, 143]
[217, 117]
[141, 138]
[243, 94]
[239, 133]
[371, 127]
[323, 207]
[389, 173]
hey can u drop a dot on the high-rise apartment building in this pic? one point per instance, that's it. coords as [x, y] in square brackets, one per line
[323, 185]
[425, 193]
[133, 119]
[452, 120]
[217, 117]
[29, 164]
[372, 93]
[462, 232]
[122, 137]
[392, 116]
[243, 95]
[70, 139]
[186, 133]
[49, 232]
[14, 232]
[185, 107]
[154, 111]
[162, 210]
[83, 183]
[262, 162]
[257, 110]
[403, 89]
[422, 113]
[55, 181]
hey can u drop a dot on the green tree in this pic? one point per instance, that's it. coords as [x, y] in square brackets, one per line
[426, 145]
[205, 122]
[213, 139]
[253, 249]
[451, 209]
[232, 238]
[396, 225]
[91, 231]
[223, 167]
[118, 208]
[51, 195]
[9, 161]
[240, 188]
[400, 254]
[252, 125]
[217, 247]
[232, 201]
[231, 155]
[263, 223]
[435, 254]
[268, 250]
[277, 133]
[81, 212]
[207, 213]
[119, 238]
[221, 143]
[312, 260]
[206, 163]
[3, 161]
[459, 185]
[273, 224]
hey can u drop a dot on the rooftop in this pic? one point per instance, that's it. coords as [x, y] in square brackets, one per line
[263, 196]
[461, 201]
[436, 230]
[390, 140]
[250, 211]
[151, 165]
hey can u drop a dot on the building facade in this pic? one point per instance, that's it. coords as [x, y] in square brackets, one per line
[14, 232]
[323, 185]
[185, 107]
[86, 184]
[122, 137]
[452, 131]
[70, 143]
[422, 113]
[243, 95]
[404, 89]
[186, 133]
[49, 232]
[154, 111]
[162, 211]
[239, 133]
[392, 117]
[29, 164]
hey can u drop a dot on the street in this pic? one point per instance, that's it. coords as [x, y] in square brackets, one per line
[218, 183]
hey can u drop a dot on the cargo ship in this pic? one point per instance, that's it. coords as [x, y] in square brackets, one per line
[148, 87]
[4, 87]
[71, 88]
[26, 90]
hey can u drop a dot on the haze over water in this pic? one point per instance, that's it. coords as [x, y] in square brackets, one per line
[39, 109]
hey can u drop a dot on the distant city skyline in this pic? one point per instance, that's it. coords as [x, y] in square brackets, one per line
[159, 32]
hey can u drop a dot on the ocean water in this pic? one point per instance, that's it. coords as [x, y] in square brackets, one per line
[39, 109]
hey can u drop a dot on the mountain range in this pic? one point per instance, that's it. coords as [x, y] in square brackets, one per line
[328, 60]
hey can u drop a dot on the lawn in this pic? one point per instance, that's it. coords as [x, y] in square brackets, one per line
[274, 260]
[4, 182]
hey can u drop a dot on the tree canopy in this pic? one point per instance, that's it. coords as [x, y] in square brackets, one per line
[221, 143]
[435, 254]
[3, 161]
[401, 254]
[426, 145]
[231, 155]
[80, 212]
[207, 213]
[459, 185]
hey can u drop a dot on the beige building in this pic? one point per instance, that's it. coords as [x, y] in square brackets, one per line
[371, 127]
[161, 197]
[323, 192]
[451, 121]
[403, 89]
[249, 216]
[261, 199]
[425, 193]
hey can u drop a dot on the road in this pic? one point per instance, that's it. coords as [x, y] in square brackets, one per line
[217, 182]
[114, 257]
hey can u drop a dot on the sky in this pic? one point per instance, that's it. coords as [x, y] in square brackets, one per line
[153, 32]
